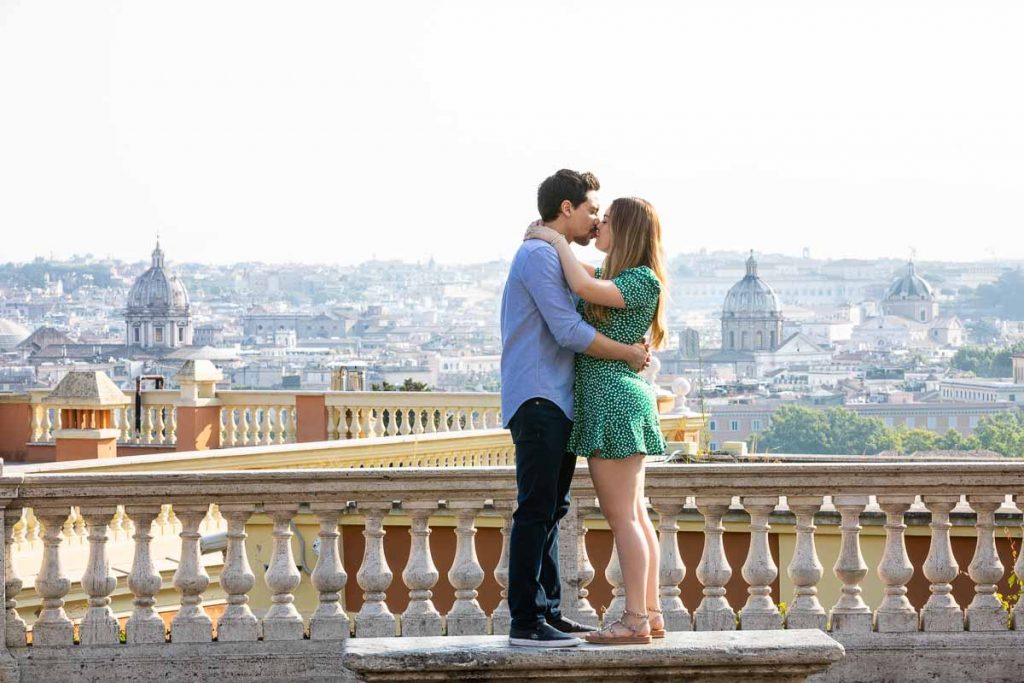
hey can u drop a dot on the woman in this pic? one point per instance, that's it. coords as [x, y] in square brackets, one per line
[616, 418]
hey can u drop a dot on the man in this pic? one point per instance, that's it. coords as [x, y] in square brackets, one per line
[540, 333]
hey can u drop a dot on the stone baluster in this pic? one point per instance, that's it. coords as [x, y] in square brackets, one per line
[895, 614]
[941, 612]
[191, 624]
[159, 428]
[759, 570]
[334, 415]
[121, 422]
[329, 621]
[281, 424]
[37, 422]
[457, 420]
[576, 572]
[229, 430]
[1018, 569]
[805, 570]
[265, 424]
[407, 416]
[613, 575]
[47, 426]
[850, 613]
[672, 570]
[282, 621]
[416, 416]
[172, 428]
[466, 617]
[713, 572]
[391, 429]
[15, 625]
[237, 623]
[986, 613]
[144, 624]
[432, 420]
[367, 422]
[374, 576]
[420, 575]
[98, 627]
[146, 426]
[501, 618]
[245, 427]
[585, 572]
[52, 628]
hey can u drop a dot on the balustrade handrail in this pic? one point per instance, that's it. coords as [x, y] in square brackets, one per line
[488, 483]
[412, 399]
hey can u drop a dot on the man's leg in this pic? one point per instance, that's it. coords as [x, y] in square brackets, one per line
[550, 574]
[538, 431]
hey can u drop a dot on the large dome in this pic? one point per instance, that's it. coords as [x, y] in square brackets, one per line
[751, 297]
[11, 334]
[910, 287]
[156, 290]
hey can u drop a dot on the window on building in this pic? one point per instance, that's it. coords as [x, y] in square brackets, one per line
[158, 334]
[911, 423]
[734, 425]
[755, 425]
[973, 421]
[713, 426]
[713, 446]
[137, 335]
[888, 422]
[181, 334]
[933, 422]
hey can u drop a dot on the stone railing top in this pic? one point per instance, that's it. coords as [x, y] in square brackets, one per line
[412, 399]
[334, 453]
[668, 482]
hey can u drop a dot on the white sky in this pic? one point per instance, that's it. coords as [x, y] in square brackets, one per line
[339, 131]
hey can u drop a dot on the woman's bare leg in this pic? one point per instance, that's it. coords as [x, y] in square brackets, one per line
[617, 483]
[654, 555]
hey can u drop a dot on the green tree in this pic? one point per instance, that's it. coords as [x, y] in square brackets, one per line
[852, 434]
[914, 440]
[795, 429]
[1002, 433]
[408, 385]
[953, 440]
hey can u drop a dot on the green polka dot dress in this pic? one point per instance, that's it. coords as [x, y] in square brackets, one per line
[616, 412]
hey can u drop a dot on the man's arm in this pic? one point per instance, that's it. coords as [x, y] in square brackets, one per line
[543, 279]
[638, 356]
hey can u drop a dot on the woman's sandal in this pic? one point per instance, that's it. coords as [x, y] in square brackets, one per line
[657, 621]
[621, 633]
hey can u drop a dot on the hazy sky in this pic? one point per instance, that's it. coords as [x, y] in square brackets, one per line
[338, 131]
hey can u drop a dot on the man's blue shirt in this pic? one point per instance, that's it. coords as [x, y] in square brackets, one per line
[540, 331]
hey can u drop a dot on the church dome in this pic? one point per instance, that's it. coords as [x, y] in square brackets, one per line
[11, 334]
[156, 290]
[910, 287]
[751, 297]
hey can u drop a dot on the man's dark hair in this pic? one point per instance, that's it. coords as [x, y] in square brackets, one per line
[565, 184]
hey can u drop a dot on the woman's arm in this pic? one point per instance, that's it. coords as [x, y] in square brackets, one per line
[581, 281]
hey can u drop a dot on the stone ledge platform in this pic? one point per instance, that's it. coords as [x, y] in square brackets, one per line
[718, 656]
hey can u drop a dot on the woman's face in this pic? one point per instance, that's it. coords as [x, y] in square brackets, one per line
[604, 233]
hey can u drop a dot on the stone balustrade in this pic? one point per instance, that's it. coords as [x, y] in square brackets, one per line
[361, 414]
[56, 508]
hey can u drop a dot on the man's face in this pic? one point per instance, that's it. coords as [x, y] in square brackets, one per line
[583, 220]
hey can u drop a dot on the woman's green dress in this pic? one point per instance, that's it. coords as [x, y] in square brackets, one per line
[616, 412]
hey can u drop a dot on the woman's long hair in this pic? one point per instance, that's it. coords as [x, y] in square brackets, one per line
[636, 241]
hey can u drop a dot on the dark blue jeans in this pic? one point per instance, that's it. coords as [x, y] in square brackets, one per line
[540, 431]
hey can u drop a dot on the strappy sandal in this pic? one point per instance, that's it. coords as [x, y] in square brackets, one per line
[621, 633]
[657, 621]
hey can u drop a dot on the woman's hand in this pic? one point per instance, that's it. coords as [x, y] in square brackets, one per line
[539, 231]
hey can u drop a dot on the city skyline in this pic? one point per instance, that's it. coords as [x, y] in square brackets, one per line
[329, 129]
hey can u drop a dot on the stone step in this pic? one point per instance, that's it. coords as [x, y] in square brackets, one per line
[719, 656]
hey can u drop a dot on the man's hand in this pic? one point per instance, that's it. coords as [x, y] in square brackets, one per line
[639, 356]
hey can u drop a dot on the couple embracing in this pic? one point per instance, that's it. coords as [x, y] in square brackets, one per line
[573, 343]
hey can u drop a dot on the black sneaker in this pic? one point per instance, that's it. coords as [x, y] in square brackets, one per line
[541, 635]
[569, 626]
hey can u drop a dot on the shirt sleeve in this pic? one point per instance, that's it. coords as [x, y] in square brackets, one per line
[542, 277]
[639, 287]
